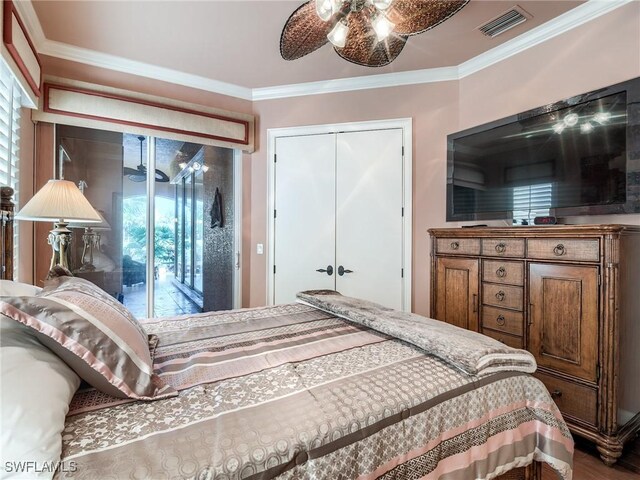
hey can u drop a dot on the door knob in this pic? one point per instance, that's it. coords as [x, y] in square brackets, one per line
[328, 270]
[342, 270]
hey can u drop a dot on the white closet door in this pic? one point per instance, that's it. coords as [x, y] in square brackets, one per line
[305, 215]
[369, 221]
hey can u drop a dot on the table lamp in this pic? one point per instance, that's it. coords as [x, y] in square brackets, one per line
[61, 202]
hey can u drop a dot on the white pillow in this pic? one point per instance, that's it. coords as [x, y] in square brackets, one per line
[36, 389]
[9, 288]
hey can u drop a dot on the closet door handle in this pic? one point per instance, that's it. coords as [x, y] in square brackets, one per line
[328, 270]
[342, 270]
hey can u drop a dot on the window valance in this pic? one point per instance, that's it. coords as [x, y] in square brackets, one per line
[94, 106]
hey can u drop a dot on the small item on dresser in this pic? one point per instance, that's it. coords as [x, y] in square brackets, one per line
[474, 226]
[547, 220]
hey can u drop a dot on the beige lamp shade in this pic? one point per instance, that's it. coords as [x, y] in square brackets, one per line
[59, 201]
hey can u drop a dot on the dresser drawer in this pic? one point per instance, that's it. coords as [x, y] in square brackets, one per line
[573, 399]
[500, 271]
[510, 340]
[458, 246]
[503, 247]
[502, 296]
[507, 321]
[587, 250]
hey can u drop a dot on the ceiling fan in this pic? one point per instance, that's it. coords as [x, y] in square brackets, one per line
[371, 33]
[139, 174]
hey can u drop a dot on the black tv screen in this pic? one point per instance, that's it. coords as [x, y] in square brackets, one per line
[570, 158]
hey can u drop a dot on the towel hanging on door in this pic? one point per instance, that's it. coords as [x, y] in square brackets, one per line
[216, 210]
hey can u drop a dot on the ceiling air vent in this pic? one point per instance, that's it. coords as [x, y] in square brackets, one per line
[515, 16]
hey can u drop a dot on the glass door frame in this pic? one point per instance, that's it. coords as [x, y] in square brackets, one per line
[187, 189]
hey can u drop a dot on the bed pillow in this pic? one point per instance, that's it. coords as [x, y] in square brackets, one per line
[94, 334]
[37, 388]
[16, 289]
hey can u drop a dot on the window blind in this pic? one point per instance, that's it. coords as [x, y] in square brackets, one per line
[10, 104]
[531, 201]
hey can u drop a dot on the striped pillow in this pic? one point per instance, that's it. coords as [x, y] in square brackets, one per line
[94, 334]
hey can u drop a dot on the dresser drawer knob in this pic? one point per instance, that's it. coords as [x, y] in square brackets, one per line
[501, 272]
[559, 250]
[501, 248]
[556, 393]
[454, 245]
[500, 320]
[500, 296]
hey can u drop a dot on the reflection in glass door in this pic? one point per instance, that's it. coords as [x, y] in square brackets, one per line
[189, 219]
[127, 177]
[198, 229]
[188, 231]
[179, 218]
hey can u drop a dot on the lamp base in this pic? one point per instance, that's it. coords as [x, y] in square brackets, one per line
[60, 241]
[90, 240]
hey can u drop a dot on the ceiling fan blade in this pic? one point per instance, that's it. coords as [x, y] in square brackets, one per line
[304, 32]
[363, 48]
[161, 176]
[132, 171]
[412, 17]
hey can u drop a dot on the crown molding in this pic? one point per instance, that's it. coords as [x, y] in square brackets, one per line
[428, 75]
[134, 67]
[32, 23]
[567, 21]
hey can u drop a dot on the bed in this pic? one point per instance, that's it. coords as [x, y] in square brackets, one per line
[326, 388]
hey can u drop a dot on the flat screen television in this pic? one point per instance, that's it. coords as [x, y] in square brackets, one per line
[579, 156]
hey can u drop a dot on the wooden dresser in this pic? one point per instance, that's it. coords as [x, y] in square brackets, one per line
[568, 294]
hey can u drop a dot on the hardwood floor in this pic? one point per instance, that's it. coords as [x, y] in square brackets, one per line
[588, 466]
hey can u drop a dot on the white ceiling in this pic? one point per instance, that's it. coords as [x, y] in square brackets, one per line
[237, 42]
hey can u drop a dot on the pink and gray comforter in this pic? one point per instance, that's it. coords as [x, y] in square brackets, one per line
[294, 392]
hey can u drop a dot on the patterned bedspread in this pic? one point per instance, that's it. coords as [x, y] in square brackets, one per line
[296, 393]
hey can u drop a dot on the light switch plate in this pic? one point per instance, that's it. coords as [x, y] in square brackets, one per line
[260, 249]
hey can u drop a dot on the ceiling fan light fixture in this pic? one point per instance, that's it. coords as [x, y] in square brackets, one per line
[382, 26]
[349, 26]
[325, 9]
[338, 35]
[382, 4]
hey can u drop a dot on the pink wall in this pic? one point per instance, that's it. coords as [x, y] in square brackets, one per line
[434, 110]
[599, 53]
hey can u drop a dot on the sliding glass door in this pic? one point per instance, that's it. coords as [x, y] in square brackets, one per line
[156, 251]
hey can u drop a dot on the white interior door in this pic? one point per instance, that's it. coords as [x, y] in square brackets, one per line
[369, 223]
[304, 220]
